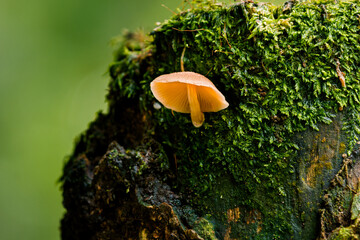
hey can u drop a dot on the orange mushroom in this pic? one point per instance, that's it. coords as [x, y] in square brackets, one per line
[188, 92]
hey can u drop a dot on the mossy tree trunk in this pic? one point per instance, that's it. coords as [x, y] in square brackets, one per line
[281, 162]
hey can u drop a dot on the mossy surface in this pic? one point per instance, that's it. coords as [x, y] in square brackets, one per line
[277, 68]
[280, 69]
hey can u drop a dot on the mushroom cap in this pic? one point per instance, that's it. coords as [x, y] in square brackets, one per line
[171, 91]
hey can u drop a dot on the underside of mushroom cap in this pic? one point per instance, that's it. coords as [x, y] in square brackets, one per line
[171, 91]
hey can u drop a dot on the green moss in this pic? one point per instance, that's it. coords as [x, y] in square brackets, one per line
[344, 234]
[278, 72]
[205, 229]
[342, 147]
[355, 207]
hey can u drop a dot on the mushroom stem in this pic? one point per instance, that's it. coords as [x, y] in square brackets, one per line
[197, 117]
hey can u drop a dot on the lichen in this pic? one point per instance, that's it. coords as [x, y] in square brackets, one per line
[278, 67]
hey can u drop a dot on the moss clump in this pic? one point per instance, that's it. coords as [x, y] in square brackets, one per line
[280, 70]
[205, 229]
[343, 234]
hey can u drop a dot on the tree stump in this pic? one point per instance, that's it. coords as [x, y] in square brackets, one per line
[281, 162]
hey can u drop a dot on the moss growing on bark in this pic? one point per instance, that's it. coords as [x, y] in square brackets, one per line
[282, 70]
[279, 69]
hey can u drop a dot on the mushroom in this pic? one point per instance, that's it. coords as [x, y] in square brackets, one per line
[188, 92]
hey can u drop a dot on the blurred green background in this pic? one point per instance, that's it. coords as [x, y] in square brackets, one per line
[53, 61]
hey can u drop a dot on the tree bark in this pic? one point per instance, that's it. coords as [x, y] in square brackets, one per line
[281, 162]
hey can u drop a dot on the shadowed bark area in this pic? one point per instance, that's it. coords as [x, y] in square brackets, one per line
[114, 206]
[281, 162]
[340, 210]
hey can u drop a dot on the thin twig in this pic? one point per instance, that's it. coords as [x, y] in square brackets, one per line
[340, 73]
[188, 30]
[182, 60]
[223, 52]
[326, 16]
[163, 5]
[225, 36]
[264, 68]
[209, 71]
